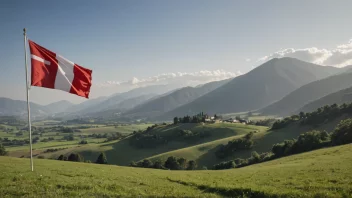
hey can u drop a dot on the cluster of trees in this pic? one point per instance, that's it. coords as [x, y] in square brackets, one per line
[321, 115]
[200, 117]
[69, 137]
[147, 140]
[265, 122]
[172, 163]
[189, 135]
[305, 142]
[83, 142]
[232, 146]
[3, 151]
[76, 157]
[11, 120]
[14, 142]
[53, 150]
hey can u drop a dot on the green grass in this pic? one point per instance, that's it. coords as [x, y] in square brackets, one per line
[126, 129]
[204, 154]
[94, 143]
[320, 173]
[122, 153]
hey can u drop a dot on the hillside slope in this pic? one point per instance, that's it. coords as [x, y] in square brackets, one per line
[320, 173]
[340, 97]
[117, 151]
[60, 106]
[173, 100]
[258, 88]
[308, 93]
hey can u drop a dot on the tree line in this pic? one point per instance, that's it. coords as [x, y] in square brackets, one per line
[319, 116]
[198, 118]
[76, 157]
[172, 163]
[305, 142]
[232, 146]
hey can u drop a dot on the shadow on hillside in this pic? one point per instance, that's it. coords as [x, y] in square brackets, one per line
[226, 192]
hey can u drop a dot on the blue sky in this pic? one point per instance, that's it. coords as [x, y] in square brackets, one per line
[120, 40]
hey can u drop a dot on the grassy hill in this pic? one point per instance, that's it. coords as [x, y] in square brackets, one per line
[256, 89]
[320, 173]
[122, 152]
[204, 154]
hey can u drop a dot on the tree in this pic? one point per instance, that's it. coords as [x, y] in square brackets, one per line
[171, 163]
[83, 142]
[176, 120]
[192, 165]
[147, 163]
[102, 159]
[182, 163]
[75, 157]
[3, 151]
[61, 157]
[158, 165]
[342, 133]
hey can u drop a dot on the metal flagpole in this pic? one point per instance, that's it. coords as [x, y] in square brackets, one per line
[27, 89]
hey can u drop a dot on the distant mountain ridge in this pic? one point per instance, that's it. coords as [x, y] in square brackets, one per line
[9, 107]
[339, 97]
[173, 100]
[258, 88]
[309, 93]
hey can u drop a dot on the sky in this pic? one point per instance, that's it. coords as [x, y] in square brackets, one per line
[135, 43]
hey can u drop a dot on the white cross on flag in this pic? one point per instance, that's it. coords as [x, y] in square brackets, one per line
[53, 71]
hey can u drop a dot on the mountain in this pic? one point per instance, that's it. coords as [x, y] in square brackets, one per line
[112, 102]
[339, 97]
[309, 93]
[174, 99]
[59, 106]
[258, 88]
[9, 107]
[122, 106]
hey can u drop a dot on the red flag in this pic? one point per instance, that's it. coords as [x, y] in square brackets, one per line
[53, 71]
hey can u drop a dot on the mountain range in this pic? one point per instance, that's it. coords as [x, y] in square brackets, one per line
[277, 87]
[258, 88]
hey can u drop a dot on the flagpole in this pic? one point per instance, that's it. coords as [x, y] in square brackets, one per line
[27, 89]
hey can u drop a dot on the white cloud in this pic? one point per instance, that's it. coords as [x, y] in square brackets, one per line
[339, 57]
[184, 78]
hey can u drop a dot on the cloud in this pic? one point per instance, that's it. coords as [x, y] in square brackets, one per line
[184, 78]
[248, 60]
[339, 57]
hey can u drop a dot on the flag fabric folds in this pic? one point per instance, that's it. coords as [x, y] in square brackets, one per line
[53, 71]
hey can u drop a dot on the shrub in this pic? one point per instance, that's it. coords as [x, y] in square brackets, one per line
[147, 163]
[171, 163]
[83, 142]
[61, 157]
[225, 165]
[192, 165]
[102, 159]
[3, 151]
[342, 133]
[75, 157]
[244, 143]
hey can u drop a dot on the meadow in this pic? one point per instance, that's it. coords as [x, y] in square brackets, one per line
[58, 141]
[320, 173]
